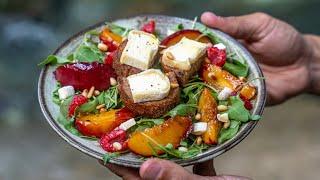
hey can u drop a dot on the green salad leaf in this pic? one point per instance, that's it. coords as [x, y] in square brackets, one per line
[178, 27]
[55, 94]
[182, 110]
[108, 156]
[53, 60]
[122, 31]
[237, 111]
[88, 53]
[144, 123]
[237, 68]
[226, 134]
[89, 106]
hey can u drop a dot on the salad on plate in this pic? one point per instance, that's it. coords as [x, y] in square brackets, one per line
[134, 91]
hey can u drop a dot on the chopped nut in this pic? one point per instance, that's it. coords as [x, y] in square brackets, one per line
[96, 92]
[174, 85]
[100, 106]
[226, 124]
[243, 79]
[170, 56]
[85, 93]
[222, 108]
[198, 140]
[210, 74]
[197, 116]
[223, 117]
[182, 149]
[117, 146]
[113, 81]
[102, 47]
[90, 93]
[103, 109]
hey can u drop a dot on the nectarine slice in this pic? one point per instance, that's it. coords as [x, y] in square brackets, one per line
[171, 131]
[98, 124]
[207, 107]
[188, 33]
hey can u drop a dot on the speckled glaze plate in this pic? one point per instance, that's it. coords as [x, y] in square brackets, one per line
[47, 83]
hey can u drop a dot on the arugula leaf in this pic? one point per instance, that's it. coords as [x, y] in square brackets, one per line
[237, 111]
[182, 110]
[108, 156]
[55, 94]
[237, 68]
[145, 123]
[122, 31]
[68, 124]
[111, 98]
[64, 107]
[226, 134]
[53, 60]
[89, 106]
[205, 30]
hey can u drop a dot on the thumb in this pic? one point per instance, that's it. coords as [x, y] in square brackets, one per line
[250, 27]
[163, 169]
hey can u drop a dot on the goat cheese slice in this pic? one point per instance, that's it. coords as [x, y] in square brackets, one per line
[199, 128]
[128, 124]
[224, 94]
[140, 50]
[220, 46]
[149, 85]
[65, 92]
[183, 54]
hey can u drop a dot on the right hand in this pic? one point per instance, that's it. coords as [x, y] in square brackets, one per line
[281, 51]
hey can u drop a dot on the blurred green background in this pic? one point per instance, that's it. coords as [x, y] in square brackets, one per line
[284, 145]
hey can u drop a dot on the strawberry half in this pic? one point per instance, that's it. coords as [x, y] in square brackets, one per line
[77, 101]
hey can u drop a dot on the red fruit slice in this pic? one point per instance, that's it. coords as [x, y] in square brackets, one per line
[77, 101]
[217, 56]
[85, 75]
[149, 27]
[188, 33]
[119, 136]
[247, 104]
[109, 58]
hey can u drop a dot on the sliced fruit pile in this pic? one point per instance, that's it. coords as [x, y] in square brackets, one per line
[187, 108]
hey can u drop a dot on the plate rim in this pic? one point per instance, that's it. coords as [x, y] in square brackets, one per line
[184, 162]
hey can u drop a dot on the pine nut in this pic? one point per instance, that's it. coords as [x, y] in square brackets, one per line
[207, 60]
[222, 108]
[90, 93]
[243, 79]
[85, 93]
[113, 81]
[183, 149]
[117, 146]
[210, 74]
[223, 117]
[174, 85]
[103, 109]
[96, 93]
[198, 116]
[100, 106]
[198, 140]
[102, 47]
[226, 124]
[170, 56]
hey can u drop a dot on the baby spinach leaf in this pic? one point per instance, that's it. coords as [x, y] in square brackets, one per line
[182, 110]
[237, 111]
[89, 106]
[226, 134]
[64, 107]
[90, 53]
[53, 60]
[237, 68]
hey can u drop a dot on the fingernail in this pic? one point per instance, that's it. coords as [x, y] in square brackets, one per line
[152, 171]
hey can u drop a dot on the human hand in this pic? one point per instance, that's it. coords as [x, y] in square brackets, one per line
[281, 51]
[164, 169]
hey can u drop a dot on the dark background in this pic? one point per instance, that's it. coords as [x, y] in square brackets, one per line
[284, 145]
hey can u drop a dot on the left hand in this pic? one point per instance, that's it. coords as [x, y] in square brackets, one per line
[163, 169]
